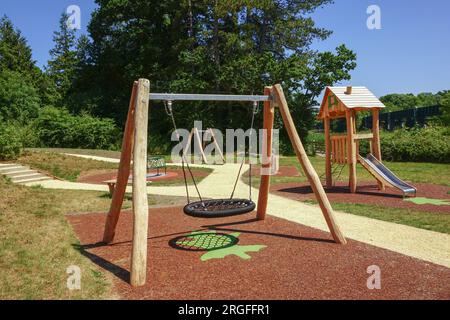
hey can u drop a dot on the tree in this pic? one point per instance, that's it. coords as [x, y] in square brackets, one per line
[19, 96]
[397, 102]
[444, 119]
[15, 54]
[319, 71]
[209, 46]
[19, 99]
[62, 65]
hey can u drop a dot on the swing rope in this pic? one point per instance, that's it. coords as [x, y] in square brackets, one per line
[254, 113]
[168, 106]
[169, 110]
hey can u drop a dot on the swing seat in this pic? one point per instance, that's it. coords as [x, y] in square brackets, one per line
[215, 208]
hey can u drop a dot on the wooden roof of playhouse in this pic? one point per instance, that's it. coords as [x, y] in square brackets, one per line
[338, 99]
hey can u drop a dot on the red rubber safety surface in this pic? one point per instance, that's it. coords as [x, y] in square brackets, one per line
[298, 263]
[368, 193]
[172, 175]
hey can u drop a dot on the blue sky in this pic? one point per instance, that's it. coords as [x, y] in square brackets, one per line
[409, 54]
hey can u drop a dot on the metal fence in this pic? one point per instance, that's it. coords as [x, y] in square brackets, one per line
[404, 118]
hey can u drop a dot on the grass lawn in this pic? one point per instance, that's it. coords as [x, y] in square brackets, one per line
[62, 166]
[419, 219]
[86, 152]
[37, 244]
[409, 171]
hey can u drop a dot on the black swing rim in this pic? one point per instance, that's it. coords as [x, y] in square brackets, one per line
[197, 209]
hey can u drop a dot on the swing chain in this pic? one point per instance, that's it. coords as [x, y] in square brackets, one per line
[255, 107]
[168, 107]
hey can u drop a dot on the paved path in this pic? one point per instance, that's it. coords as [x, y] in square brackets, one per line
[419, 243]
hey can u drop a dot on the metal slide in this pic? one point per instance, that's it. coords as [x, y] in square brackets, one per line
[386, 176]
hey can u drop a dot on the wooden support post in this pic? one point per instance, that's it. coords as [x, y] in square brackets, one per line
[351, 150]
[213, 137]
[123, 172]
[376, 140]
[376, 134]
[311, 174]
[200, 145]
[328, 173]
[269, 116]
[140, 200]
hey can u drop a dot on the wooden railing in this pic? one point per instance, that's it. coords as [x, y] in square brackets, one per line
[339, 149]
[364, 136]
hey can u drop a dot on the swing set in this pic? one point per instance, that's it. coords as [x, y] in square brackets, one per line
[135, 144]
[213, 208]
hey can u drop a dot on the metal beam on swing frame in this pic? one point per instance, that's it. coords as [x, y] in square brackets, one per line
[207, 97]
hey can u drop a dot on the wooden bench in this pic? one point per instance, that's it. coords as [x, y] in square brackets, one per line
[152, 163]
[112, 184]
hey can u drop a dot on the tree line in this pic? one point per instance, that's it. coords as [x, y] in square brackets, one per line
[398, 102]
[205, 46]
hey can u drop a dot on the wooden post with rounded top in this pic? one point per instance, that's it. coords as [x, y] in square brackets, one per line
[328, 172]
[199, 141]
[351, 150]
[140, 200]
[269, 116]
[123, 172]
[309, 170]
[376, 139]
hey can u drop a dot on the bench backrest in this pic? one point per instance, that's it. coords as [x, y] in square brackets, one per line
[156, 162]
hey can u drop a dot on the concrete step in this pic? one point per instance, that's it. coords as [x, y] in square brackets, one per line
[20, 173]
[13, 169]
[28, 177]
[6, 165]
[43, 178]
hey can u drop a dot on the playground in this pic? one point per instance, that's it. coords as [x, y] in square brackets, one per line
[237, 256]
[295, 230]
[224, 150]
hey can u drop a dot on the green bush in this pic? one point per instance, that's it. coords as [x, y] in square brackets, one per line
[57, 128]
[430, 144]
[158, 144]
[10, 142]
[29, 136]
[444, 118]
[19, 100]
[314, 143]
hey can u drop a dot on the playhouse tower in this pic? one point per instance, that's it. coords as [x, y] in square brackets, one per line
[346, 102]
